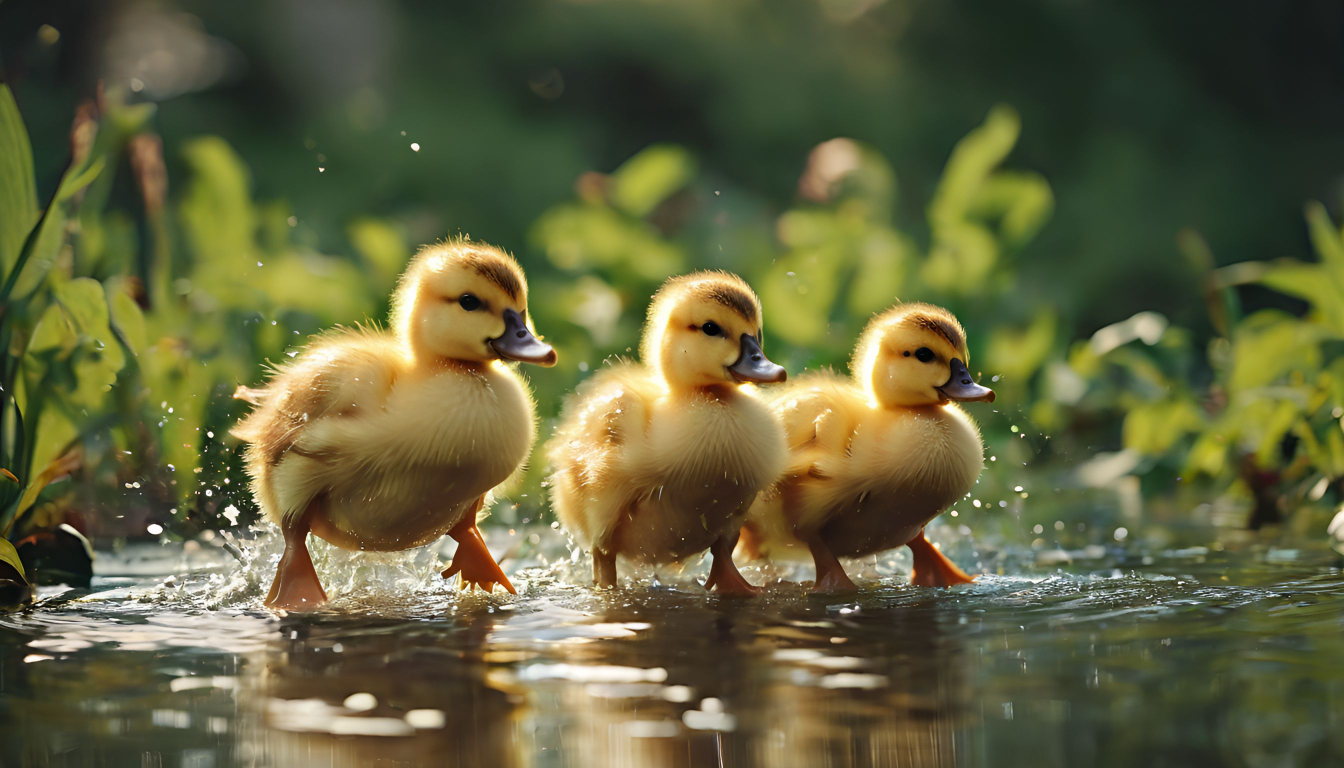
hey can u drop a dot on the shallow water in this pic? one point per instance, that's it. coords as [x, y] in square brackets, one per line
[1108, 658]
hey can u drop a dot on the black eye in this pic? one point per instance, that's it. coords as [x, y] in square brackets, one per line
[469, 302]
[712, 329]
[924, 355]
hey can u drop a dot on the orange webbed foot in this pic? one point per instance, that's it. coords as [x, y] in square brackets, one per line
[473, 561]
[932, 567]
[834, 581]
[723, 574]
[831, 576]
[731, 583]
[296, 586]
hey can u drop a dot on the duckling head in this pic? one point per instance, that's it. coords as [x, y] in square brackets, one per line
[704, 330]
[913, 355]
[466, 301]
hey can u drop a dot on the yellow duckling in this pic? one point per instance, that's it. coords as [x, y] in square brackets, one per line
[874, 459]
[388, 440]
[659, 461]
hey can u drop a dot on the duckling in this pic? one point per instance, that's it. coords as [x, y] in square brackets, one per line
[659, 461]
[874, 458]
[387, 440]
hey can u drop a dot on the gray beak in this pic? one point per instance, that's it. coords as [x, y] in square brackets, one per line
[752, 365]
[518, 343]
[962, 388]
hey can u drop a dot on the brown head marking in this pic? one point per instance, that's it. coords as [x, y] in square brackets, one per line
[495, 266]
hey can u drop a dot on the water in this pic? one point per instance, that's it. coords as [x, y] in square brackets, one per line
[1110, 658]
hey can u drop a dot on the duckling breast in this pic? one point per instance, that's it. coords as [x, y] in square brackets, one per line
[704, 464]
[901, 476]
[407, 474]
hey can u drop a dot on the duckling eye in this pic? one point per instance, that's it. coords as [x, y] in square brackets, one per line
[924, 355]
[712, 329]
[469, 302]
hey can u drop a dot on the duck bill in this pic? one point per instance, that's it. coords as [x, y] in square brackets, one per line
[518, 343]
[962, 388]
[752, 365]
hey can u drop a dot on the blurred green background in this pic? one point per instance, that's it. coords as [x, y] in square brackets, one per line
[1110, 196]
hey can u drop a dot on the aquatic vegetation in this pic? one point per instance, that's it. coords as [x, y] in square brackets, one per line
[1258, 414]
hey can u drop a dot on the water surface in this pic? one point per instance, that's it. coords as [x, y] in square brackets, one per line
[1107, 658]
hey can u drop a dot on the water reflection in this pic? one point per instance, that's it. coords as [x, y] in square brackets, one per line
[326, 693]
[1187, 657]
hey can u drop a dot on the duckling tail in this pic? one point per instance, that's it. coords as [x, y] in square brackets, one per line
[253, 395]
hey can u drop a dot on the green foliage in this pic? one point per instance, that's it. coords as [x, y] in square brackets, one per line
[50, 369]
[145, 358]
[1270, 416]
[15, 591]
[18, 187]
[10, 557]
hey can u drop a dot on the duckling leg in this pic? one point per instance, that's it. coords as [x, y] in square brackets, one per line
[472, 559]
[749, 543]
[831, 576]
[723, 573]
[604, 569]
[296, 586]
[932, 568]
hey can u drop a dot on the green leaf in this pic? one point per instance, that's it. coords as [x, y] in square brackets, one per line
[1208, 455]
[1269, 344]
[33, 265]
[55, 434]
[884, 261]
[962, 258]
[1311, 282]
[10, 556]
[1285, 416]
[1153, 428]
[1017, 354]
[177, 378]
[127, 317]
[218, 218]
[650, 177]
[330, 289]
[1327, 242]
[972, 161]
[584, 236]
[100, 355]
[1021, 203]
[800, 290]
[54, 331]
[18, 185]
[382, 246]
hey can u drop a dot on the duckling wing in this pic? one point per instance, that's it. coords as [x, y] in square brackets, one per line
[819, 420]
[594, 454]
[341, 374]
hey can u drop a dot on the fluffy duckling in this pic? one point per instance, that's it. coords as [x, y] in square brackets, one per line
[874, 459]
[659, 461]
[388, 440]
